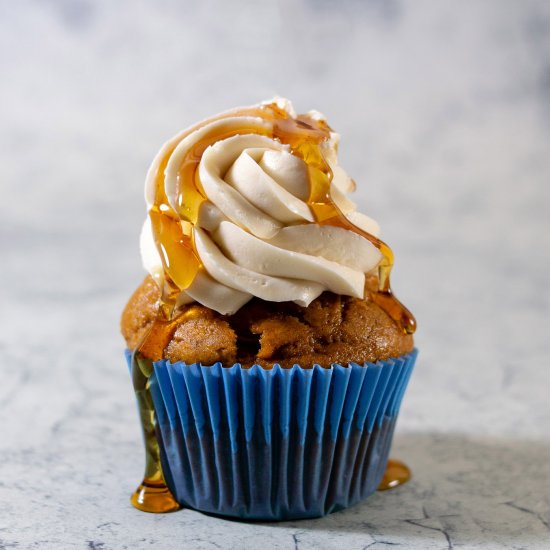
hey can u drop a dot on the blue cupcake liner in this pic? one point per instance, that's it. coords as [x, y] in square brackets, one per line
[280, 443]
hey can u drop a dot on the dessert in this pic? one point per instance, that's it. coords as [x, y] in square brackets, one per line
[267, 351]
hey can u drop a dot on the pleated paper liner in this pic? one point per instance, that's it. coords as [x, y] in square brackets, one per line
[280, 443]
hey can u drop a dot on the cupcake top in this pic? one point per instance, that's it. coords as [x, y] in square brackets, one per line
[249, 220]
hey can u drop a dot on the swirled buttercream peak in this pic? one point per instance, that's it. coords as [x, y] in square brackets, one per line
[243, 205]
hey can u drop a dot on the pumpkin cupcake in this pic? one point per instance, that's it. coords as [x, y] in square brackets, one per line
[267, 351]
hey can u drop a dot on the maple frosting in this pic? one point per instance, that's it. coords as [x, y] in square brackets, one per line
[255, 233]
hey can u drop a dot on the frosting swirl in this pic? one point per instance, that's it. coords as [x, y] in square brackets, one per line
[253, 229]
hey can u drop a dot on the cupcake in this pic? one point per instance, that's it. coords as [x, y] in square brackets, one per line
[268, 354]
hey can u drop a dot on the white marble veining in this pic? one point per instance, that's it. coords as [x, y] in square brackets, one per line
[444, 109]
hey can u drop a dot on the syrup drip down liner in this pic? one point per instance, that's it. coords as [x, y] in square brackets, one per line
[276, 444]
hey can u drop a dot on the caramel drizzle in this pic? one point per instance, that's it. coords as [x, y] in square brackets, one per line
[181, 263]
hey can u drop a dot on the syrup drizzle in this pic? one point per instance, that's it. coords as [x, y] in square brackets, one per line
[173, 235]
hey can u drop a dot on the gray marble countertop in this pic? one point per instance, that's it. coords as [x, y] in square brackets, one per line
[444, 112]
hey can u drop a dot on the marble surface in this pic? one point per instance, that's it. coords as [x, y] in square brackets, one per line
[444, 109]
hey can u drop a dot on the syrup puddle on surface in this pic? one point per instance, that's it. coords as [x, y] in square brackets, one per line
[181, 263]
[154, 497]
[397, 473]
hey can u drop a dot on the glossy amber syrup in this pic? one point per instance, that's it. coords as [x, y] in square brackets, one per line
[395, 475]
[181, 262]
[152, 495]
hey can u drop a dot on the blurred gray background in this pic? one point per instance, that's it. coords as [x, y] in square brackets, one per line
[444, 112]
